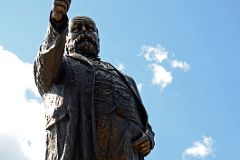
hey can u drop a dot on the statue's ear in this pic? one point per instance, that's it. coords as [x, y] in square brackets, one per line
[98, 46]
[66, 50]
[66, 45]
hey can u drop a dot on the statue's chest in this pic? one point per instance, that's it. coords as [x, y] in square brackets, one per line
[107, 77]
[101, 79]
[109, 85]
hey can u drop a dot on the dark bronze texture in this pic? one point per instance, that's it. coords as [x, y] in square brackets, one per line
[93, 111]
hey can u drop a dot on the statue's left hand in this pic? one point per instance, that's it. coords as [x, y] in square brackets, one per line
[142, 145]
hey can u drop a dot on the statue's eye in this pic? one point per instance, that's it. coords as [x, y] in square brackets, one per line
[91, 27]
[74, 28]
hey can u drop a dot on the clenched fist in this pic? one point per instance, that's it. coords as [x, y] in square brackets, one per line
[142, 145]
[60, 8]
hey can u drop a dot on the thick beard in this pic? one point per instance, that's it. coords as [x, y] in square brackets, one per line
[86, 47]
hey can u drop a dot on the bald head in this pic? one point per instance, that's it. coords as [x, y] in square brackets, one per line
[80, 20]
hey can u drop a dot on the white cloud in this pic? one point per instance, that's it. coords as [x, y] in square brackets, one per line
[181, 65]
[161, 76]
[140, 87]
[120, 66]
[200, 149]
[20, 116]
[10, 154]
[154, 54]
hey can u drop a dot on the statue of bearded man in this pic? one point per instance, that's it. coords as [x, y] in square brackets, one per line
[93, 111]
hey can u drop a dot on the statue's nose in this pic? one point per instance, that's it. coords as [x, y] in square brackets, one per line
[83, 30]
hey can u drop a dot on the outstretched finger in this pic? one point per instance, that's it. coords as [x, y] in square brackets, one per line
[59, 10]
[65, 3]
[60, 4]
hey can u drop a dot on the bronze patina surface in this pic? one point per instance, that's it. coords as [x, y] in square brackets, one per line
[93, 111]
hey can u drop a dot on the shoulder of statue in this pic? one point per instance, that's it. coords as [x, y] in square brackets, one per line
[129, 78]
[108, 65]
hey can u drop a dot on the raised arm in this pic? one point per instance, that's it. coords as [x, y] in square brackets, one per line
[48, 62]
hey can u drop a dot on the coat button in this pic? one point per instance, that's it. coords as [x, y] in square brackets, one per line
[88, 70]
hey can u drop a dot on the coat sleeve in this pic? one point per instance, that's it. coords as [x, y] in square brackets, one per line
[49, 59]
[149, 132]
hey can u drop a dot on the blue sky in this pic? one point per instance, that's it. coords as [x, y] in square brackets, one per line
[182, 54]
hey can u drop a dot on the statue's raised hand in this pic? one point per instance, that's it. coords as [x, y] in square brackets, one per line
[60, 8]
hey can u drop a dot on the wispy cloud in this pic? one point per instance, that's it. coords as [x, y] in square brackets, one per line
[200, 149]
[155, 56]
[161, 76]
[121, 67]
[140, 87]
[21, 117]
[181, 65]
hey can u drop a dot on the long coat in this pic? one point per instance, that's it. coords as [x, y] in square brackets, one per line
[55, 77]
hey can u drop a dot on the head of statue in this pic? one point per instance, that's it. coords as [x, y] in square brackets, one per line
[83, 37]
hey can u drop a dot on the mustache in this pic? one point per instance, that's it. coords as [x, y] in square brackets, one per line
[85, 37]
[87, 40]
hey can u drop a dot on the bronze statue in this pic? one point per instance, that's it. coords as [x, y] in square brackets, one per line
[93, 111]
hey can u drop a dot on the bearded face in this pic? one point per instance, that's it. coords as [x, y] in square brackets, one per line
[83, 37]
